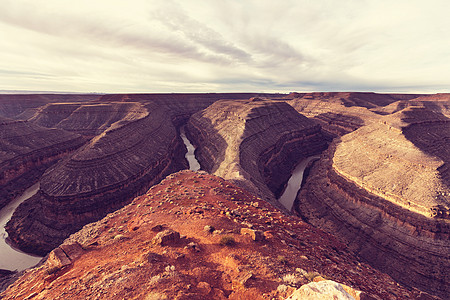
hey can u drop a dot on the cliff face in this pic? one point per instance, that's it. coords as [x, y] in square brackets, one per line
[196, 236]
[115, 166]
[26, 150]
[256, 143]
[384, 189]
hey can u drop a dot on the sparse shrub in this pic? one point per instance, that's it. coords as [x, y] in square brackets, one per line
[227, 240]
[282, 259]
[311, 275]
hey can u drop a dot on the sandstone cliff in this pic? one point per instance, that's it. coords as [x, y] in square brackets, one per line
[196, 236]
[384, 189]
[26, 150]
[108, 172]
[256, 143]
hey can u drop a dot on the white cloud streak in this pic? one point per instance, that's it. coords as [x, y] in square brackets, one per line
[225, 45]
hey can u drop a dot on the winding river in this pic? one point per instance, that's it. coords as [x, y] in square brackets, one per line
[294, 183]
[10, 258]
[14, 259]
[190, 156]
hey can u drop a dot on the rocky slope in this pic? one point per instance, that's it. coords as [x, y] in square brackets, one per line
[196, 236]
[115, 166]
[341, 113]
[256, 143]
[384, 189]
[26, 150]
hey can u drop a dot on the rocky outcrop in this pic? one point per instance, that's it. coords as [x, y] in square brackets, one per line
[105, 174]
[26, 150]
[256, 143]
[157, 248]
[384, 190]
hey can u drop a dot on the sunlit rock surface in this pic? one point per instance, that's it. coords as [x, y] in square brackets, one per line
[384, 189]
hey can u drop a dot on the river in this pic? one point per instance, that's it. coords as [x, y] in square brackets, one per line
[12, 259]
[190, 156]
[294, 183]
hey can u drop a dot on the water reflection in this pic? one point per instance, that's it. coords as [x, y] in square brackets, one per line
[294, 183]
[12, 259]
[190, 156]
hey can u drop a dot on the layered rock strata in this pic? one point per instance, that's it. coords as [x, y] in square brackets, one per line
[26, 150]
[23, 106]
[180, 106]
[256, 143]
[384, 189]
[115, 166]
[89, 119]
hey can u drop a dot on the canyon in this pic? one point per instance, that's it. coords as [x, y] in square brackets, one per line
[380, 184]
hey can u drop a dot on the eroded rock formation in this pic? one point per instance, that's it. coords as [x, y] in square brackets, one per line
[26, 150]
[256, 143]
[115, 166]
[384, 189]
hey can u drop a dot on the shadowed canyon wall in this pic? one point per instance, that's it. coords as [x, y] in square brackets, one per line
[26, 150]
[115, 166]
[255, 143]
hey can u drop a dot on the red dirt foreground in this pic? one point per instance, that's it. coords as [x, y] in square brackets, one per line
[196, 236]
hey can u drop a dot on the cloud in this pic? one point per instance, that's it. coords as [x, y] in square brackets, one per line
[169, 46]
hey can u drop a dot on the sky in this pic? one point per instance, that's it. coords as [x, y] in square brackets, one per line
[123, 46]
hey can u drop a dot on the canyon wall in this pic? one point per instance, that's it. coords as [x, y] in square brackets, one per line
[26, 150]
[384, 190]
[255, 143]
[108, 172]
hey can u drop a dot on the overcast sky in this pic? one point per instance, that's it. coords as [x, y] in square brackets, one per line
[225, 45]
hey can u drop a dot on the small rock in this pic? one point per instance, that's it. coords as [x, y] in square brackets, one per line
[58, 259]
[204, 287]
[321, 290]
[193, 246]
[208, 228]
[242, 279]
[282, 288]
[256, 235]
[166, 238]
[73, 250]
[119, 237]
